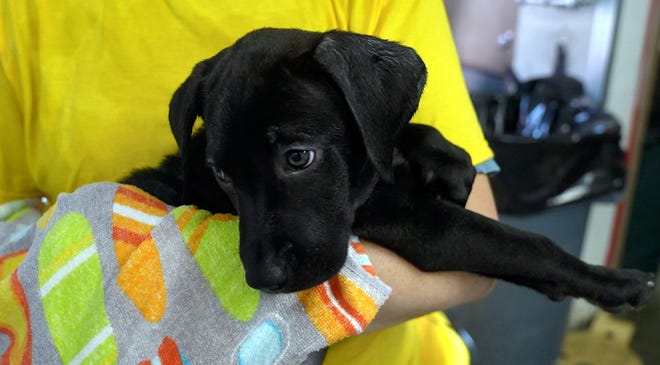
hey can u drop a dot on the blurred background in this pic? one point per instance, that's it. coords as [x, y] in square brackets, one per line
[567, 92]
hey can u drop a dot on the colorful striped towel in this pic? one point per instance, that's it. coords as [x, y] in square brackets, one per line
[111, 274]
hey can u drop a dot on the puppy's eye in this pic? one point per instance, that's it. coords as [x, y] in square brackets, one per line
[220, 175]
[300, 159]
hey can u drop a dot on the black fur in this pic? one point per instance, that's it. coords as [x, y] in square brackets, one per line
[348, 98]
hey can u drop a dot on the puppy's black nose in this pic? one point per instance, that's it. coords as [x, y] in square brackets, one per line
[268, 277]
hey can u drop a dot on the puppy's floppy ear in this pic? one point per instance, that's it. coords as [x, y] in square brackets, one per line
[185, 106]
[382, 82]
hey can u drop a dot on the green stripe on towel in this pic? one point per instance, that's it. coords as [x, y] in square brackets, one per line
[71, 285]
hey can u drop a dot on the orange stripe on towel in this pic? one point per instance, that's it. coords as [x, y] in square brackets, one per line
[168, 352]
[15, 322]
[141, 278]
[337, 290]
[366, 266]
[127, 236]
[136, 197]
[357, 246]
[335, 309]
[338, 308]
[129, 232]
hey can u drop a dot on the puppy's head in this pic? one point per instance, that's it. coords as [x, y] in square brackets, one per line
[299, 128]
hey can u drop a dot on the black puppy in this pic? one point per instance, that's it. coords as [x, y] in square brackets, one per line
[306, 136]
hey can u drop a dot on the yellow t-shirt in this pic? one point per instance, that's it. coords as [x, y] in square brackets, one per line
[426, 340]
[84, 89]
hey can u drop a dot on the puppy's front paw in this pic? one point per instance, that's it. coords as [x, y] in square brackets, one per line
[451, 177]
[631, 288]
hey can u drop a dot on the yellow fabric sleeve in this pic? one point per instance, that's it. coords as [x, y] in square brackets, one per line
[84, 89]
[439, 344]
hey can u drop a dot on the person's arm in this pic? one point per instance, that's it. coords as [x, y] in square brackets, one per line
[415, 292]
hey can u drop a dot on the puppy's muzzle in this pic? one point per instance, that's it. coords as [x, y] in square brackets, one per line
[267, 271]
[269, 277]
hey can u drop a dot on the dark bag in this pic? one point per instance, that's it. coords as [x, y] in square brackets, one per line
[553, 145]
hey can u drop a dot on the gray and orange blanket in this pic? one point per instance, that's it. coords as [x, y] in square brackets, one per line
[111, 274]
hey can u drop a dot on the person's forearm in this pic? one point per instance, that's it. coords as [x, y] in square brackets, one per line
[481, 198]
[414, 292]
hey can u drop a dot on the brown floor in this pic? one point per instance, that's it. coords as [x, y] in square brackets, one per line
[646, 341]
[608, 341]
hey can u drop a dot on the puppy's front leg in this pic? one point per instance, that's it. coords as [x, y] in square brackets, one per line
[437, 235]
